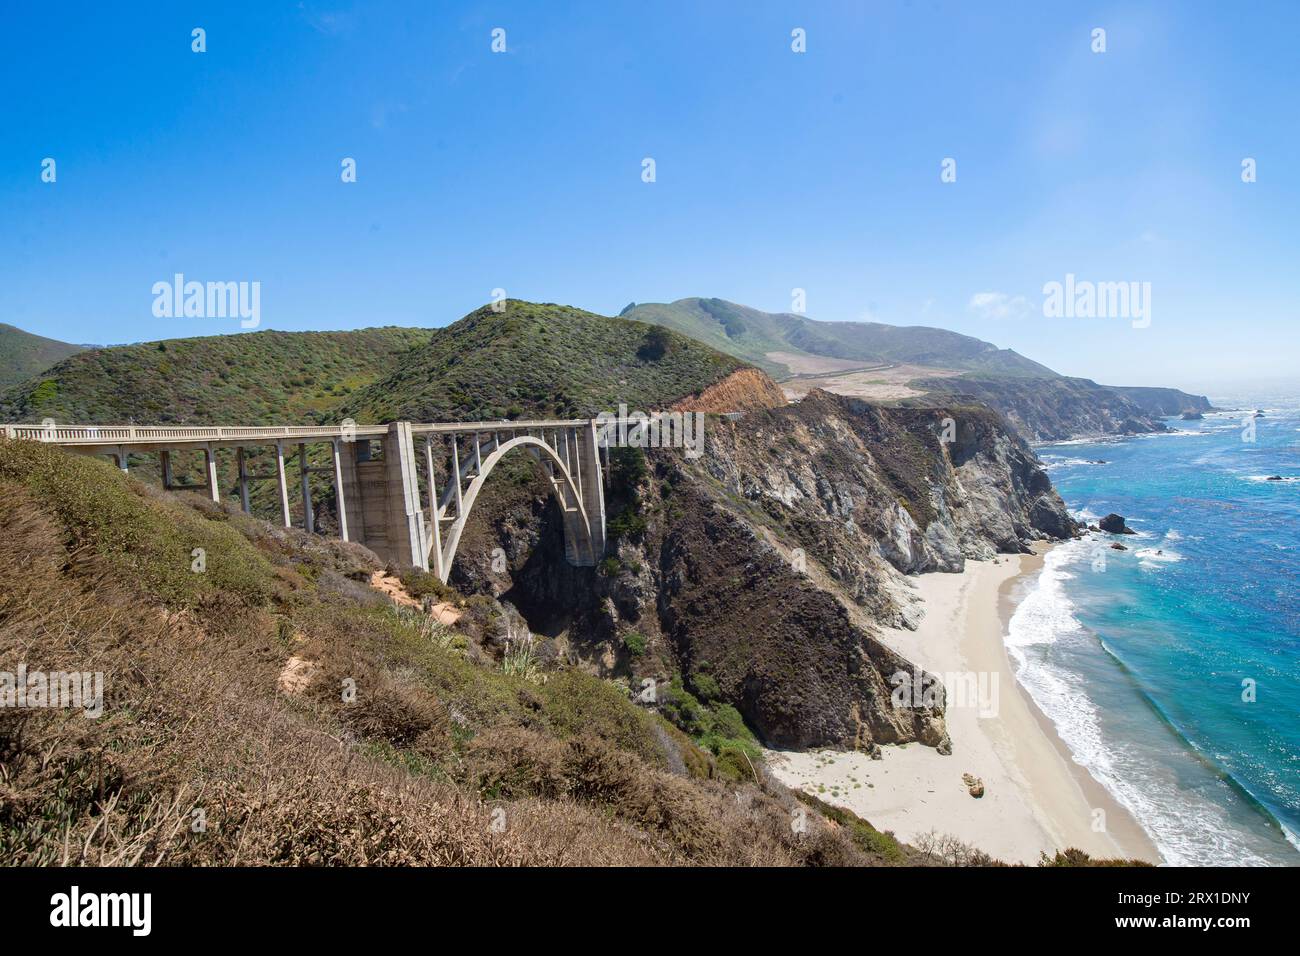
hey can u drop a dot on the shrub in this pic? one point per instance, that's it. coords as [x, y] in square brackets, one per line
[863, 834]
[45, 392]
[404, 717]
[627, 467]
[1075, 857]
[656, 344]
[425, 584]
[634, 643]
[717, 728]
[627, 524]
[734, 764]
[706, 687]
[576, 703]
[682, 708]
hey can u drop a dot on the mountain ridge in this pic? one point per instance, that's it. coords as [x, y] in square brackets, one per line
[1041, 403]
[753, 334]
[24, 354]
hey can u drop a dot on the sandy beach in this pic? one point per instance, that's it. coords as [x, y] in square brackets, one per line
[1036, 799]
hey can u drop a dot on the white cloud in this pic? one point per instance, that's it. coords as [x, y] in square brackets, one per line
[999, 305]
[328, 22]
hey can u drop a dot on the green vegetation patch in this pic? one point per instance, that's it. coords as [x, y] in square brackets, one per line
[535, 359]
[182, 556]
[866, 836]
[716, 727]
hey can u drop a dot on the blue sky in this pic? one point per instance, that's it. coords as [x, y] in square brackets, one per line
[775, 170]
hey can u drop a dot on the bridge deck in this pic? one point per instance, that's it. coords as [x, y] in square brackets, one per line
[201, 434]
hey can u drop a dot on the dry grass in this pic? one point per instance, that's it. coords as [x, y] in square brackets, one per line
[200, 758]
[192, 726]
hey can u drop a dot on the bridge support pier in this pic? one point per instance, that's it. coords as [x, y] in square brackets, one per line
[435, 524]
[308, 516]
[340, 498]
[284, 484]
[353, 457]
[406, 541]
[210, 472]
[591, 484]
[243, 479]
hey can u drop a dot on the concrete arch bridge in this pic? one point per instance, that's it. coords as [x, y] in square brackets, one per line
[382, 501]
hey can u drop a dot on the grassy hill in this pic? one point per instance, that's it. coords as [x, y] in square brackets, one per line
[539, 359]
[254, 378]
[24, 355]
[753, 335]
[530, 359]
[221, 692]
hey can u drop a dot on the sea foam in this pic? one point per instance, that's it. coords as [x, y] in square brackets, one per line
[1187, 829]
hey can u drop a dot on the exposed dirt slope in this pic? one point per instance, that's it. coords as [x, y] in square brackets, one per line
[742, 390]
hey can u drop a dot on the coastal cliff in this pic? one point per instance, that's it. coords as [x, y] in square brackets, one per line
[759, 571]
[1058, 409]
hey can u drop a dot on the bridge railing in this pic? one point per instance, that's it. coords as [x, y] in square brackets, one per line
[504, 425]
[115, 434]
[162, 434]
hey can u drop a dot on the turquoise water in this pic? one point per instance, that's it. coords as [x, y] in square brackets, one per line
[1142, 657]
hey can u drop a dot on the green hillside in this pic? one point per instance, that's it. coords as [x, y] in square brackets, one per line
[254, 378]
[751, 334]
[735, 329]
[24, 355]
[539, 360]
[531, 359]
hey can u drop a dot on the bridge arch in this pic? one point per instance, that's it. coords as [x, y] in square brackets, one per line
[580, 544]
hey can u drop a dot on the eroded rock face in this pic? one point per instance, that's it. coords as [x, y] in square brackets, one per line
[783, 650]
[761, 559]
[1054, 409]
[867, 491]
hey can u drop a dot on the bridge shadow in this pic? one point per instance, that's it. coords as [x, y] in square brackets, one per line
[521, 517]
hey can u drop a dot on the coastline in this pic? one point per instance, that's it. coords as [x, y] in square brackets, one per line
[1037, 798]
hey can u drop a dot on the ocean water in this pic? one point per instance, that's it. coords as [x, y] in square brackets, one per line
[1145, 659]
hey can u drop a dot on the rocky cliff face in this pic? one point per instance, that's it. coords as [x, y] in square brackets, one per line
[782, 649]
[866, 490]
[1054, 409]
[1166, 402]
[765, 564]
